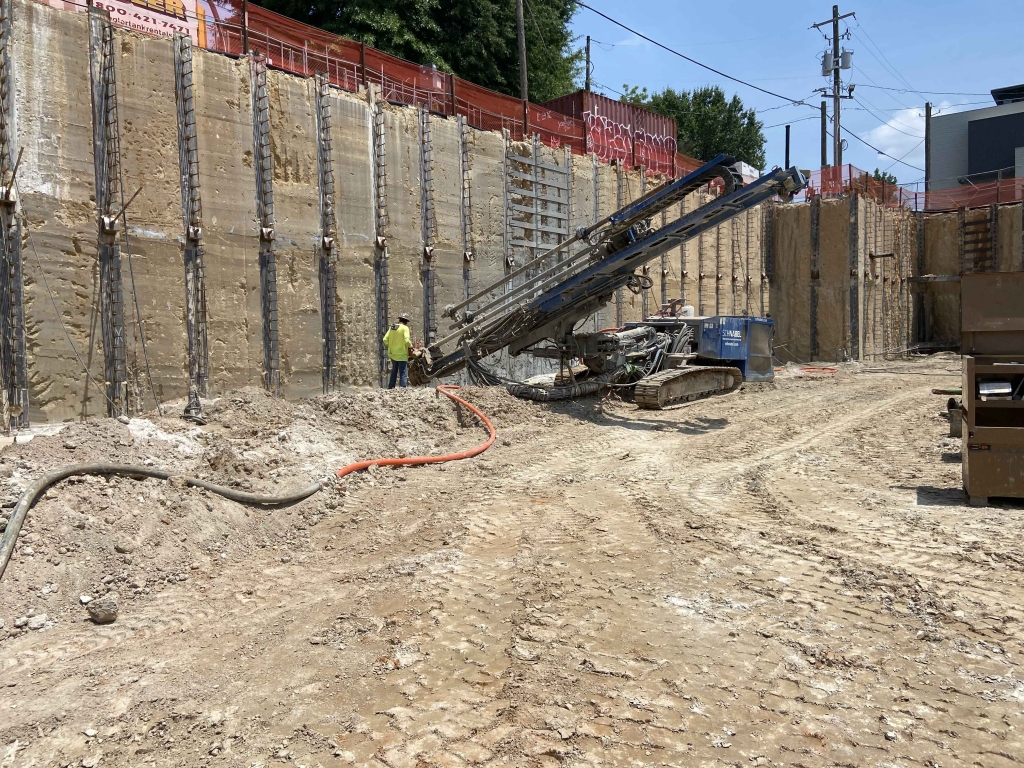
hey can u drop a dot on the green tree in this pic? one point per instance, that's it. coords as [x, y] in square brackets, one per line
[884, 176]
[707, 123]
[474, 39]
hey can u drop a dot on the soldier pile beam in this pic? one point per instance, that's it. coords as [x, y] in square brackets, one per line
[107, 159]
[192, 219]
[13, 377]
[328, 235]
[264, 164]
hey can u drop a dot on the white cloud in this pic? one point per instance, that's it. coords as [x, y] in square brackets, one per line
[903, 133]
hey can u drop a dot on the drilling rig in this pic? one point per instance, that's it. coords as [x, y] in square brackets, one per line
[665, 359]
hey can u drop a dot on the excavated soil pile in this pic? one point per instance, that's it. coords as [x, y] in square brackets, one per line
[92, 535]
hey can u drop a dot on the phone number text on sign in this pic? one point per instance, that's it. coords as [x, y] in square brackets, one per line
[149, 17]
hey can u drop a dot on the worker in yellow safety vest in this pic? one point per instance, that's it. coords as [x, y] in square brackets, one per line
[398, 343]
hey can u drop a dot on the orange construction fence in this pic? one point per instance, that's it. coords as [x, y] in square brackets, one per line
[838, 180]
[234, 27]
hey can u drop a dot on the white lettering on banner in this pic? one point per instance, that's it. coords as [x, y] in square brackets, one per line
[153, 17]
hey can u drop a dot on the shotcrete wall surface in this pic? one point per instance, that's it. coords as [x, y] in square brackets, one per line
[582, 210]
[834, 285]
[405, 240]
[293, 142]
[149, 161]
[1009, 256]
[353, 190]
[53, 122]
[487, 208]
[227, 176]
[447, 181]
[942, 300]
[50, 58]
[790, 289]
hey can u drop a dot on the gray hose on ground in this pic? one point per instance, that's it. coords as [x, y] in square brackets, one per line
[543, 395]
[32, 493]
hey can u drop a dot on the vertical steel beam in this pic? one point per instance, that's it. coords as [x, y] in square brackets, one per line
[264, 165]
[815, 271]
[748, 227]
[107, 162]
[683, 252]
[767, 253]
[328, 254]
[618, 206]
[598, 316]
[378, 147]
[663, 299]
[466, 203]
[718, 269]
[192, 221]
[428, 222]
[14, 375]
[646, 269]
[700, 261]
[853, 242]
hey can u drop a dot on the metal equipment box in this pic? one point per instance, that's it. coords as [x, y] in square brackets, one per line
[992, 345]
[741, 341]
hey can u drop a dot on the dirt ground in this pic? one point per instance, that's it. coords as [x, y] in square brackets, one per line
[787, 575]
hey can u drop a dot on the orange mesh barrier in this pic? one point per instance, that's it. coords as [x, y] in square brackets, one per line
[834, 181]
[622, 132]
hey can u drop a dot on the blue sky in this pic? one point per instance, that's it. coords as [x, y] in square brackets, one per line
[940, 45]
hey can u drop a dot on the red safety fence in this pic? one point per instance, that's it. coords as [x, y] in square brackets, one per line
[644, 139]
[839, 180]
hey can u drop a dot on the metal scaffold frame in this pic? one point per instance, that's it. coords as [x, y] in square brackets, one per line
[192, 220]
[328, 255]
[107, 159]
[264, 166]
[14, 374]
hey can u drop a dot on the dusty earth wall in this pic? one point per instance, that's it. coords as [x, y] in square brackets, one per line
[888, 276]
[52, 115]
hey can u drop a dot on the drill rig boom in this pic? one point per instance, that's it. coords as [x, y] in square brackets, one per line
[578, 277]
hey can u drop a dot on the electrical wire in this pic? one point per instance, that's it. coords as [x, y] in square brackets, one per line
[868, 106]
[684, 56]
[888, 64]
[930, 93]
[907, 153]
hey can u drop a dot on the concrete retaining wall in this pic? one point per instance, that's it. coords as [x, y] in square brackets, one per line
[53, 120]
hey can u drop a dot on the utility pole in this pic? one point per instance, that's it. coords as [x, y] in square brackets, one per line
[832, 63]
[837, 143]
[787, 147]
[824, 136]
[928, 147]
[586, 82]
[524, 90]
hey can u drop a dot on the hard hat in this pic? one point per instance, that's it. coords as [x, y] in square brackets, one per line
[404, 317]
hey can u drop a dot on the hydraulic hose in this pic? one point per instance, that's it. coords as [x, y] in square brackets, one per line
[548, 395]
[413, 460]
[32, 493]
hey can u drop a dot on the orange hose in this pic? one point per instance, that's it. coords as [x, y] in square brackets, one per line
[443, 389]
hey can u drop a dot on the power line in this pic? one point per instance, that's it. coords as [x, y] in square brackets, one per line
[898, 75]
[790, 122]
[907, 153]
[687, 58]
[889, 122]
[930, 93]
[884, 154]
